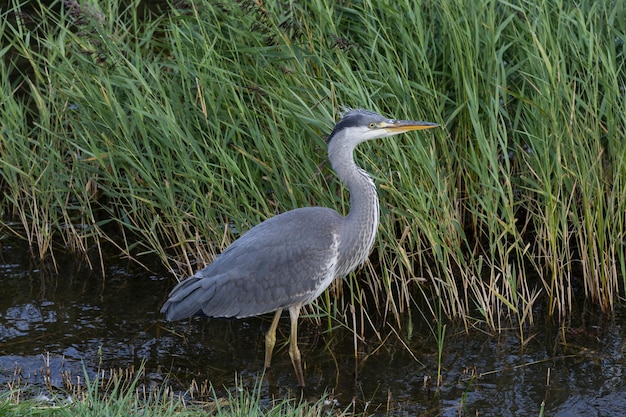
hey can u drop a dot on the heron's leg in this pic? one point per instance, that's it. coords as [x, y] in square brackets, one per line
[294, 352]
[270, 338]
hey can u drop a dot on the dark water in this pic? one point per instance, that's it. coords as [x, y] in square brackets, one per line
[74, 318]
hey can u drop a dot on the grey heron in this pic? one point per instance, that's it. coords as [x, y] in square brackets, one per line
[288, 260]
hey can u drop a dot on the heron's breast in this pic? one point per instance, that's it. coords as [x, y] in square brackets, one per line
[359, 236]
[329, 272]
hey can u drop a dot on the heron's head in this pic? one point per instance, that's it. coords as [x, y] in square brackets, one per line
[359, 125]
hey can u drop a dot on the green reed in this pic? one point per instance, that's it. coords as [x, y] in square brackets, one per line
[172, 134]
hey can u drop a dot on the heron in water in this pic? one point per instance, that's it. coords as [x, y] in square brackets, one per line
[288, 260]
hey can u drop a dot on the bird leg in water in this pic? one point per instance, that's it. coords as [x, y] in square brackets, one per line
[270, 339]
[294, 352]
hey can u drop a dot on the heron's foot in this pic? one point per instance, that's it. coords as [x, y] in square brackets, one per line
[294, 353]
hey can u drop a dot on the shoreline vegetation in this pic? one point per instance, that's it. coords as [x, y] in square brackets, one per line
[129, 392]
[167, 131]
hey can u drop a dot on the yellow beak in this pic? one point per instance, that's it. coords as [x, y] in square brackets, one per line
[400, 126]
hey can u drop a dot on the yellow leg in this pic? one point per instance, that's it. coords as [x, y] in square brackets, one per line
[294, 352]
[270, 339]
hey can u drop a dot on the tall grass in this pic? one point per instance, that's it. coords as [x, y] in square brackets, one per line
[170, 133]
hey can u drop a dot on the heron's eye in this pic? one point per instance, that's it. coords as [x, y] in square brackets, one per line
[372, 125]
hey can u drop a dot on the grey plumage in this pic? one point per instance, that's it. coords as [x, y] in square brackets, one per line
[231, 285]
[288, 260]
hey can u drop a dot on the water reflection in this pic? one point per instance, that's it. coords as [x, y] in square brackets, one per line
[62, 321]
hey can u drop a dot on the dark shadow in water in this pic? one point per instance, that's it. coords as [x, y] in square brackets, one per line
[74, 318]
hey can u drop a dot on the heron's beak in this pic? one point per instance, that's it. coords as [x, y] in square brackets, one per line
[401, 126]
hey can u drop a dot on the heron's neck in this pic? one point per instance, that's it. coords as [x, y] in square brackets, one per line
[361, 223]
[364, 208]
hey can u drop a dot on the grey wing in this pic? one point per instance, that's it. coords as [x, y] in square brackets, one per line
[281, 262]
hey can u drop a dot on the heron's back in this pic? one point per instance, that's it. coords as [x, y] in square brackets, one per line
[286, 260]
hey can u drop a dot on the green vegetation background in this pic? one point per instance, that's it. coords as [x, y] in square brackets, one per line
[167, 132]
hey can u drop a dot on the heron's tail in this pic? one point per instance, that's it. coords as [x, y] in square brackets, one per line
[186, 299]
